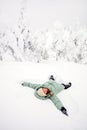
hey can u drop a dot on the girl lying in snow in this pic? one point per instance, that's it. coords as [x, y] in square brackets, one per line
[49, 90]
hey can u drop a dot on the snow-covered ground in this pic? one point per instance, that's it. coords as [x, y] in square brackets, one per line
[19, 109]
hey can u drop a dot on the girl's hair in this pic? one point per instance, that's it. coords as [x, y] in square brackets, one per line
[49, 93]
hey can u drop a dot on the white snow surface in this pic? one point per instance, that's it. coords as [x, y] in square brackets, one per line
[19, 109]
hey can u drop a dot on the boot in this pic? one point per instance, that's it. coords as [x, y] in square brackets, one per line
[51, 77]
[67, 85]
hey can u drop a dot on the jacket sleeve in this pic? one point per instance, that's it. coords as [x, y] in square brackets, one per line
[30, 85]
[56, 102]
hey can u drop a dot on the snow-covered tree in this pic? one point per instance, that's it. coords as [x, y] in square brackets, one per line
[59, 42]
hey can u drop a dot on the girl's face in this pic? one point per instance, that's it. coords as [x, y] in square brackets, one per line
[45, 90]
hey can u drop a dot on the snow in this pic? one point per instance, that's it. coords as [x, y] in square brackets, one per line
[19, 109]
[53, 50]
[58, 42]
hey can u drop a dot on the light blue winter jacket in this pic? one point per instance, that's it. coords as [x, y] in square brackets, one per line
[53, 86]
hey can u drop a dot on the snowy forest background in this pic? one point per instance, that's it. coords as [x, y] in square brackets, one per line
[59, 42]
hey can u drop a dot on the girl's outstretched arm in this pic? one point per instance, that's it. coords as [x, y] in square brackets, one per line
[27, 84]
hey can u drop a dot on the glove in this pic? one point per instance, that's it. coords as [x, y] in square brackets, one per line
[64, 111]
[23, 84]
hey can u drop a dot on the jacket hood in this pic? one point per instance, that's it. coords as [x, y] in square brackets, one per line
[50, 85]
